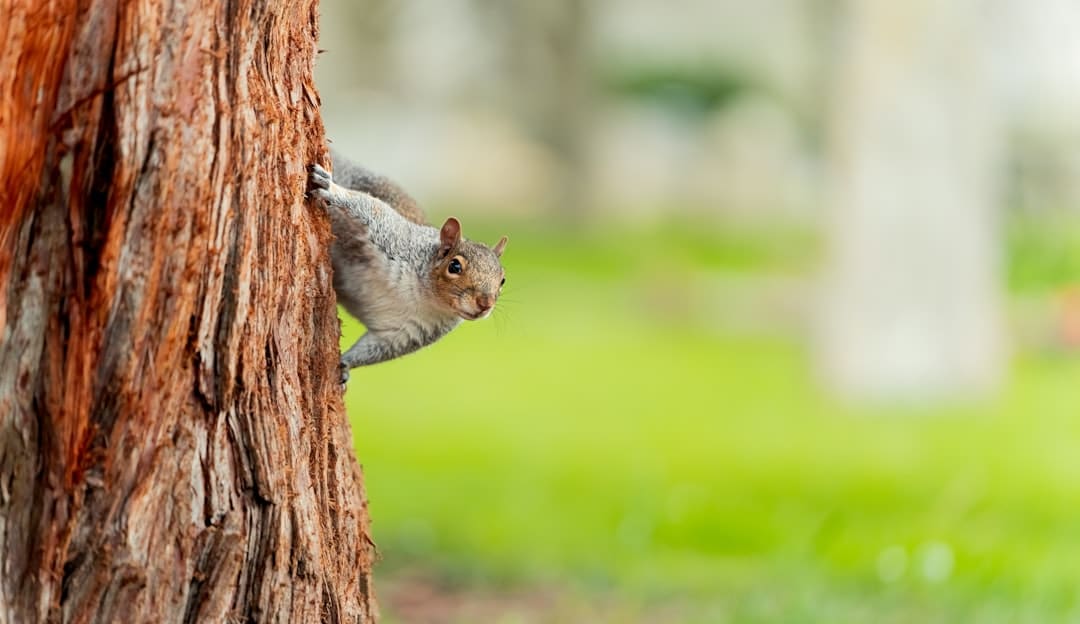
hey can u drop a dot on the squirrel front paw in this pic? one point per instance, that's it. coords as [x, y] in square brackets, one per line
[344, 368]
[319, 182]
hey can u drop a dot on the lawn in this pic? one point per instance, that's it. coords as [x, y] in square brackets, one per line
[619, 435]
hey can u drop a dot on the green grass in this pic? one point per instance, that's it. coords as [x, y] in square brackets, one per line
[1044, 252]
[583, 440]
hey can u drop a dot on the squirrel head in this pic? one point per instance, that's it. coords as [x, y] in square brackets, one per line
[467, 276]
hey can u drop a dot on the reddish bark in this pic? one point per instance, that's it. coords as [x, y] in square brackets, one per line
[173, 446]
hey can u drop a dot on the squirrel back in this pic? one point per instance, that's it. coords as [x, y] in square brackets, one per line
[353, 176]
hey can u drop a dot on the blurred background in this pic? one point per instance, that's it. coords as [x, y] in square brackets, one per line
[792, 316]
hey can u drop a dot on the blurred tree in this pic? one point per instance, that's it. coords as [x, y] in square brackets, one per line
[364, 30]
[173, 445]
[547, 68]
[1036, 59]
[912, 302]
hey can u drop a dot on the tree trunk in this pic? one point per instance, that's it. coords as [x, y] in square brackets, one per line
[546, 62]
[913, 307]
[173, 445]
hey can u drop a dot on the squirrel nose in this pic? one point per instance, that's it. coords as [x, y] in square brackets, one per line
[485, 301]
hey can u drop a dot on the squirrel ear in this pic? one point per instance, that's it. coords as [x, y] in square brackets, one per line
[450, 235]
[500, 246]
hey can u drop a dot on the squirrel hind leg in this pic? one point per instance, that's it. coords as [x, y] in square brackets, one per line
[320, 177]
[320, 182]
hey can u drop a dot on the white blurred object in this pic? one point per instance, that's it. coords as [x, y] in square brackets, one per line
[892, 562]
[1036, 56]
[912, 303]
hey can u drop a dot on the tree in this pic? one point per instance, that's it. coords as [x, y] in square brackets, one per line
[173, 445]
[913, 300]
[544, 51]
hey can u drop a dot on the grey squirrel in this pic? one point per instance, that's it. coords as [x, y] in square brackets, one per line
[408, 282]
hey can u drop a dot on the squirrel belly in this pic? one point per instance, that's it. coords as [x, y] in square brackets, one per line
[409, 283]
[388, 297]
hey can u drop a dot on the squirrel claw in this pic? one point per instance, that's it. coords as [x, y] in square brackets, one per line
[344, 373]
[320, 178]
[319, 182]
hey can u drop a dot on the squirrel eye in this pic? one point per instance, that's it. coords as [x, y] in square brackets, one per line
[503, 282]
[455, 266]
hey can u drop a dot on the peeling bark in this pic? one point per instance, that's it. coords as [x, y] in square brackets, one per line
[173, 446]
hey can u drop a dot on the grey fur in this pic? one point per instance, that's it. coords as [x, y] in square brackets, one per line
[380, 263]
[352, 176]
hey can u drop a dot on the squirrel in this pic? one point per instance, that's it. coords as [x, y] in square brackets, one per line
[408, 282]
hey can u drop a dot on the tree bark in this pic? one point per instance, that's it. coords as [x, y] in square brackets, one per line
[173, 445]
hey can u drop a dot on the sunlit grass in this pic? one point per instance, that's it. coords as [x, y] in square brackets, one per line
[589, 438]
